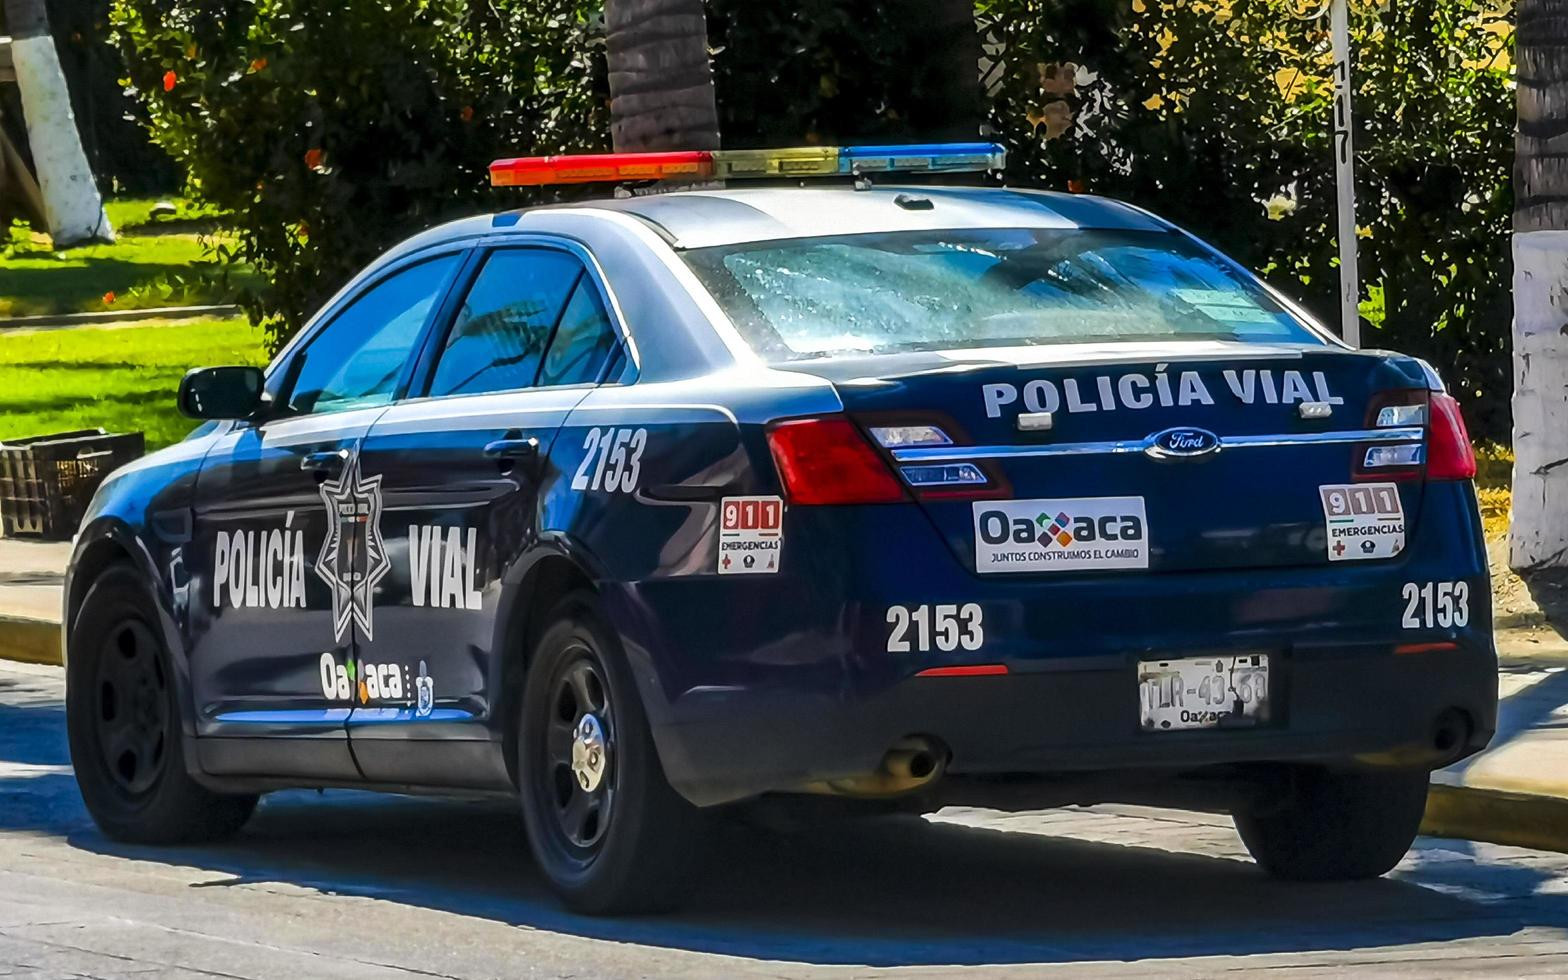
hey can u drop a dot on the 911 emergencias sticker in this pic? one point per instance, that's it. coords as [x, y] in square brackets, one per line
[751, 535]
[1364, 520]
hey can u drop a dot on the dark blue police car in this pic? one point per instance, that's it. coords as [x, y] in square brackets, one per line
[909, 496]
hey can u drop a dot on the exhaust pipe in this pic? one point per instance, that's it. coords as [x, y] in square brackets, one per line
[911, 764]
[914, 764]
[1447, 741]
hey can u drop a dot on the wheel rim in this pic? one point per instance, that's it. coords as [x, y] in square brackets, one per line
[131, 707]
[579, 774]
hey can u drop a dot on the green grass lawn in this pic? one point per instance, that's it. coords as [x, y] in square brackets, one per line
[135, 213]
[153, 263]
[122, 379]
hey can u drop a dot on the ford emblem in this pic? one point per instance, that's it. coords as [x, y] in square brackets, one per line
[1183, 442]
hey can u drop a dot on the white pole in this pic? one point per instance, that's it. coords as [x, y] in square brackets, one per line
[1344, 175]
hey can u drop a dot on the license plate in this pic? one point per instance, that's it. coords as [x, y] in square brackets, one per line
[1203, 692]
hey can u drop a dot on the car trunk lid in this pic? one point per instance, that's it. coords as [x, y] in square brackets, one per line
[1168, 457]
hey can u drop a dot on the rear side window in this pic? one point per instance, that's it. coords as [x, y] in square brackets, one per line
[500, 334]
[583, 341]
[935, 290]
[357, 359]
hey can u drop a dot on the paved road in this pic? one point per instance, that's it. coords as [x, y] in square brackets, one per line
[353, 885]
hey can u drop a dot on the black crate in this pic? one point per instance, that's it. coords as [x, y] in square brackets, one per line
[46, 482]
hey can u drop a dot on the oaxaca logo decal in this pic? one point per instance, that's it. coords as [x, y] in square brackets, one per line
[365, 683]
[353, 557]
[1060, 535]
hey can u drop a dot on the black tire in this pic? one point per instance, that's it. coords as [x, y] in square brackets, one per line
[1337, 825]
[123, 725]
[629, 843]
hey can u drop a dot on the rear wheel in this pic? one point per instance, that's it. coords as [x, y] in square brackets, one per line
[1337, 825]
[603, 823]
[123, 725]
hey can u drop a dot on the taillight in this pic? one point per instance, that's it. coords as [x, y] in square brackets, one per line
[1449, 455]
[1399, 408]
[828, 461]
[916, 441]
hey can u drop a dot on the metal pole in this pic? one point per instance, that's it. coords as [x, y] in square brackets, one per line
[1344, 175]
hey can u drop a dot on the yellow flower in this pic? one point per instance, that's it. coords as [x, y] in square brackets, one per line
[1280, 206]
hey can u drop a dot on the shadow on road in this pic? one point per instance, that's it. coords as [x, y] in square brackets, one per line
[882, 892]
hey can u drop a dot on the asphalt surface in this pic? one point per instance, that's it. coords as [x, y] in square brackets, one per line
[354, 885]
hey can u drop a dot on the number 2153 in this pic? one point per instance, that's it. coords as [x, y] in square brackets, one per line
[1429, 604]
[949, 626]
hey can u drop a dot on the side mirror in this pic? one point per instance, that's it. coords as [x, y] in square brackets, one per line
[221, 392]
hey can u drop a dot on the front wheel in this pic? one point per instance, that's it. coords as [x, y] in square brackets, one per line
[1337, 826]
[605, 826]
[122, 723]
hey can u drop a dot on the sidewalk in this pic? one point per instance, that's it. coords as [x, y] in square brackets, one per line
[1516, 792]
[32, 574]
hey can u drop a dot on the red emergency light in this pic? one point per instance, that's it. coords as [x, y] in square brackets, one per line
[584, 168]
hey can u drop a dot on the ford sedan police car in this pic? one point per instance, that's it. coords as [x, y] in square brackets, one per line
[911, 496]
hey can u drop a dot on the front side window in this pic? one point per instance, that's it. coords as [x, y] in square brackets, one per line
[939, 290]
[500, 335]
[357, 359]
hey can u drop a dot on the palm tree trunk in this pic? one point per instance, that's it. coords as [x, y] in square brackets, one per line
[1538, 531]
[661, 83]
[944, 74]
[71, 199]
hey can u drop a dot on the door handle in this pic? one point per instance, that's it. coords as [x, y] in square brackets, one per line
[325, 462]
[512, 448]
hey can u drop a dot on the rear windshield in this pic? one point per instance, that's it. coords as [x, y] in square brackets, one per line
[936, 290]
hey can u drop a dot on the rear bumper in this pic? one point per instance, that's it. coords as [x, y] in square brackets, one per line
[1340, 707]
[764, 683]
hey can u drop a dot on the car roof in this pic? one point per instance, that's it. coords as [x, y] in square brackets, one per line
[702, 218]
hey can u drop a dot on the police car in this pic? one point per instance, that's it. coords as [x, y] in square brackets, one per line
[906, 495]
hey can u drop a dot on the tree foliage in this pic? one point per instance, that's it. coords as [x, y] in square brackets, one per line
[331, 130]
[1216, 115]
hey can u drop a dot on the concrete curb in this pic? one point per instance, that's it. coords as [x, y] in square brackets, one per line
[116, 316]
[31, 641]
[1497, 817]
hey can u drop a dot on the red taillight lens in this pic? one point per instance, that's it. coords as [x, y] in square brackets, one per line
[828, 461]
[1449, 455]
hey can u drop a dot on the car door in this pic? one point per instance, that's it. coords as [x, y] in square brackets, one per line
[286, 545]
[460, 471]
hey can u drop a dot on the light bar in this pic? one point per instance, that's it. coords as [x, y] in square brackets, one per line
[696, 165]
